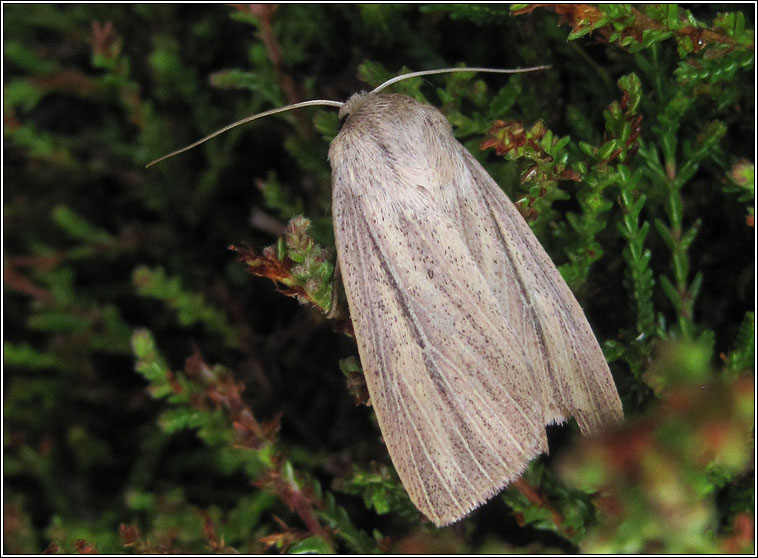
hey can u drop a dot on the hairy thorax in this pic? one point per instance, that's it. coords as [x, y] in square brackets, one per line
[397, 146]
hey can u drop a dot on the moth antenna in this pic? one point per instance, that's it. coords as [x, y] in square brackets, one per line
[315, 102]
[448, 70]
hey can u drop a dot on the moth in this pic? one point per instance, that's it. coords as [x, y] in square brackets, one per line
[470, 340]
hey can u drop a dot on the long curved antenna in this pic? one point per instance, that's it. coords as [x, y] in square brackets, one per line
[338, 104]
[448, 70]
[319, 102]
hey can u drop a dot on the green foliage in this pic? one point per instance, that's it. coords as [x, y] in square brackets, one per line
[657, 486]
[297, 262]
[742, 356]
[382, 491]
[556, 507]
[208, 401]
[631, 158]
[479, 14]
[638, 280]
[190, 307]
[622, 131]
[742, 184]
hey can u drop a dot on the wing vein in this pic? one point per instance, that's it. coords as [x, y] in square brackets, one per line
[569, 342]
[422, 343]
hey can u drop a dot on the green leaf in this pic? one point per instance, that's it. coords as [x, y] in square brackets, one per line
[311, 545]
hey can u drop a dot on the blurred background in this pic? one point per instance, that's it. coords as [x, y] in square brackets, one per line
[160, 398]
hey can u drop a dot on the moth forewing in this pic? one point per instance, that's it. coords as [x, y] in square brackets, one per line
[470, 340]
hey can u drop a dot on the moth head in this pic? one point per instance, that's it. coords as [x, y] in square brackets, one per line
[355, 101]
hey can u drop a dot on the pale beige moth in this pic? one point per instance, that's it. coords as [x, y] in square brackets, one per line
[469, 338]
